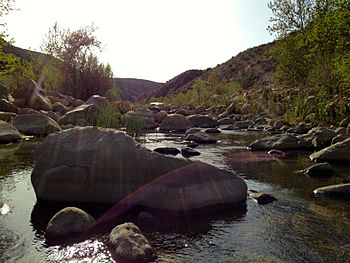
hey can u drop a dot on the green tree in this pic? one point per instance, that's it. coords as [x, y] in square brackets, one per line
[7, 61]
[289, 15]
[83, 74]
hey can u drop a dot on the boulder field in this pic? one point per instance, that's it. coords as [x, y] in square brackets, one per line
[96, 165]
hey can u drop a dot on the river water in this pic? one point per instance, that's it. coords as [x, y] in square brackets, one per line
[297, 228]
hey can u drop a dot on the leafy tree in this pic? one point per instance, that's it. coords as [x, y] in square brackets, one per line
[289, 15]
[83, 74]
[7, 61]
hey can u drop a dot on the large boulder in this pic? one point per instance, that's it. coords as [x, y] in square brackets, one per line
[194, 189]
[8, 133]
[68, 221]
[100, 102]
[8, 106]
[279, 142]
[83, 115]
[336, 152]
[128, 244]
[33, 95]
[202, 121]
[35, 124]
[175, 122]
[109, 163]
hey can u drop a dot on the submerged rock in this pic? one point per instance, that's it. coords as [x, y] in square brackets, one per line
[109, 163]
[127, 243]
[167, 150]
[68, 221]
[187, 152]
[263, 198]
[337, 152]
[339, 190]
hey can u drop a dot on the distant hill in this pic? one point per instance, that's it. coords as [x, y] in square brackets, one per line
[29, 55]
[178, 84]
[131, 88]
[252, 67]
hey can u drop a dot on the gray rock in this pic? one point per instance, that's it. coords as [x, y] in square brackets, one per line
[8, 106]
[263, 198]
[175, 122]
[319, 136]
[212, 130]
[200, 137]
[85, 113]
[35, 124]
[225, 121]
[160, 116]
[202, 121]
[109, 163]
[244, 124]
[320, 170]
[340, 138]
[338, 191]
[8, 133]
[69, 221]
[33, 96]
[337, 152]
[193, 130]
[7, 116]
[301, 128]
[60, 108]
[127, 243]
[185, 191]
[100, 102]
[279, 142]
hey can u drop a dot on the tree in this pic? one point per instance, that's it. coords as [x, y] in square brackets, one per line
[83, 74]
[290, 15]
[7, 61]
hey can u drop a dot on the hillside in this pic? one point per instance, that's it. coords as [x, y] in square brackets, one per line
[177, 84]
[131, 88]
[252, 67]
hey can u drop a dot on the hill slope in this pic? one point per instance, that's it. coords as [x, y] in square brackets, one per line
[131, 88]
[252, 67]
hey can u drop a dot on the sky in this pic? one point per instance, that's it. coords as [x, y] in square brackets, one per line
[149, 39]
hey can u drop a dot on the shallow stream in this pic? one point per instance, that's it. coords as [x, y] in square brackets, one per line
[297, 228]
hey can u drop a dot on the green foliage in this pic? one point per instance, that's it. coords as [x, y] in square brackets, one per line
[289, 15]
[83, 74]
[134, 125]
[109, 118]
[212, 92]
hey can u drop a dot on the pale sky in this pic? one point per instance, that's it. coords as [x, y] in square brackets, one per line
[150, 39]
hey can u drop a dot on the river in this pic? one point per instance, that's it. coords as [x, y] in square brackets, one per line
[298, 227]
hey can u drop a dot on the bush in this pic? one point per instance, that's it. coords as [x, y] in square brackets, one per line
[109, 118]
